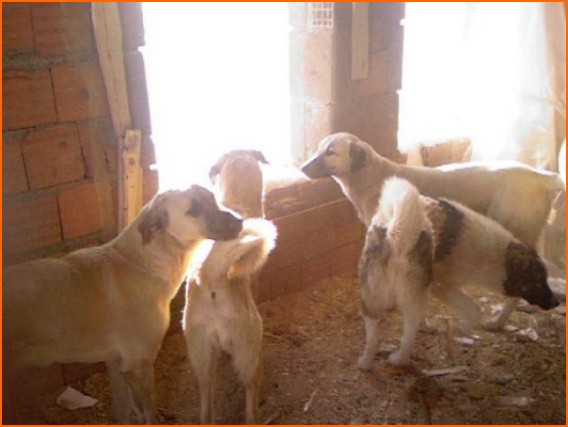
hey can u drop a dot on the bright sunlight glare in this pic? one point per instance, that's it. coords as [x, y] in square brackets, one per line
[218, 79]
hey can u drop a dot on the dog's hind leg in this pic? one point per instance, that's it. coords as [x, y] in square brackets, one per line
[371, 343]
[252, 387]
[499, 321]
[203, 357]
[413, 313]
[121, 399]
[141, 384]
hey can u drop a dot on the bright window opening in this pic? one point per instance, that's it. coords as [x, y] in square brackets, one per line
[218, 79]
[493, 73]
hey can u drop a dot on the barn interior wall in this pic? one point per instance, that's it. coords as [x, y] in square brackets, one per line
[60, 155]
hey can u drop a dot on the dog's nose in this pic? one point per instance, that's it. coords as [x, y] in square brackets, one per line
[312, 168]
[224, 226]
[553, 303]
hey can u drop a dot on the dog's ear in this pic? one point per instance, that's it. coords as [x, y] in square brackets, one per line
[213, 172]
[358, 156]
[259, 156]
[154, 220]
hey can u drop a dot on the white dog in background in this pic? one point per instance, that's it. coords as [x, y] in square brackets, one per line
[395, 268]
[414, 243]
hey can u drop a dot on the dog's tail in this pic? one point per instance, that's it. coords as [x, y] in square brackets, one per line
[244, 255]
[403, 214]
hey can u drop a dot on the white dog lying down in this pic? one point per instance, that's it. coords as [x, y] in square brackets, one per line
[111, 303]
[513, 194]
[239, 180]
[414, 241]
[220, 315]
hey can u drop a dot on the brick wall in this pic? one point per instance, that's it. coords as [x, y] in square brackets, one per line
[369, 107]
[60, 155]
[59, 151]
[59, 148]
[324, 97]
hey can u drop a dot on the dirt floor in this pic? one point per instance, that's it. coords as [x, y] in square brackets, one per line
[312, 341]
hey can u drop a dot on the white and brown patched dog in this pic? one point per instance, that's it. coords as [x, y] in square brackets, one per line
[239, 181]
[110, 303]
[513, 194]
[221, 315]
[416, 243]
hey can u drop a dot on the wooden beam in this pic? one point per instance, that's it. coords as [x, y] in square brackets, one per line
[108, 36]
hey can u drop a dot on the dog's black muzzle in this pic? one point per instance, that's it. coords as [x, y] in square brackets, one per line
[223, 225]
[315, 168]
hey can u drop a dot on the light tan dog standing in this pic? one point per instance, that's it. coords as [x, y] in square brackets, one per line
[111, 303]
[415, 243]
[513, 194]
[220, 312]
[221, 315]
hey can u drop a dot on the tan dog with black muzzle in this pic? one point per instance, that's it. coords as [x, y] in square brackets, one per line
[110, 303]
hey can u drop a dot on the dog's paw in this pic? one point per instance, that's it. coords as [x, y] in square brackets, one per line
[398, 359]
[494, 325]
[364, 363]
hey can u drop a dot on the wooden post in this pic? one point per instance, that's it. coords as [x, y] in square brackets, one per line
[108, 36]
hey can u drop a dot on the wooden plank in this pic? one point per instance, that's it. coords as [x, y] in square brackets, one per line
[132, 179]
[108, 36]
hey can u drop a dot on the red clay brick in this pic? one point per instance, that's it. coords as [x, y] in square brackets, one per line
[27, 99]
[17, 32]
[132, 25]
[150, 185]
[317, 71]
[100, 132]
[377, 80]
[80, 213]
[53, 156]
[13, 170]
[60, 27]
[79, 92]
[30, 225]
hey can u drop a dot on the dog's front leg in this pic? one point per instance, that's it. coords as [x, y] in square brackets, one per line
[451, 295]
[120, 394]
[371, 343]
[498, 322]
[413, 314]
[141, 384]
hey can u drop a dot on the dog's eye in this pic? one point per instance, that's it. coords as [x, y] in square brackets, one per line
[330, 152]
[196, 209]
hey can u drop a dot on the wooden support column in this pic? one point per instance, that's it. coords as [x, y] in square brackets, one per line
[108, 36]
